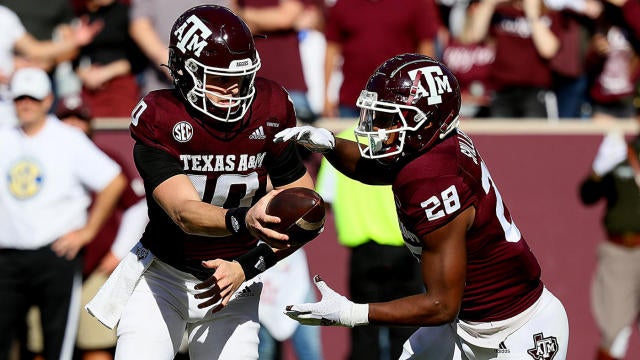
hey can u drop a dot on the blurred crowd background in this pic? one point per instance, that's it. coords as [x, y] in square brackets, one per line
[515, 60]
[554, 59]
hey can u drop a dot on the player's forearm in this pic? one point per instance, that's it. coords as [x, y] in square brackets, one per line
[199, 218]
[346, 158]
[415, 310]
[183, 205]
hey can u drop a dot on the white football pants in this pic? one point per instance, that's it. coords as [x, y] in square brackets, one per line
[544, 336]
[163, 306]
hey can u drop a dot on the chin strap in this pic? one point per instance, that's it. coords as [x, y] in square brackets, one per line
[453, 125]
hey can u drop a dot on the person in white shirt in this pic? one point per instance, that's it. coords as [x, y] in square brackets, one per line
[16, 39]
[49, 172]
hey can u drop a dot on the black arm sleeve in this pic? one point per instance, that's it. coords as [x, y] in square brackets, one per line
[592, 190]
[288, 167]
[155, 166]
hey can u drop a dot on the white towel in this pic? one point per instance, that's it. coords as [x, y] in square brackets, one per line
[286, 283]
[112, 297]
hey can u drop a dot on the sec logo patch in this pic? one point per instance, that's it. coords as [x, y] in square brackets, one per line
[25, 179]
[182, 131]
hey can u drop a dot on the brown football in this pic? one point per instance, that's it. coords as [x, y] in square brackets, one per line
[302, 214]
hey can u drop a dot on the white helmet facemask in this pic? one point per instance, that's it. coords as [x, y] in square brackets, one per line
[226, 107]
[382, 127]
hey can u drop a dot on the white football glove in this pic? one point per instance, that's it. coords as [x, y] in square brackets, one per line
[313, 138]
[333, 309]
[612, 151]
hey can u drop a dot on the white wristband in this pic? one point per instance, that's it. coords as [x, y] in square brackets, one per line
[359, 314]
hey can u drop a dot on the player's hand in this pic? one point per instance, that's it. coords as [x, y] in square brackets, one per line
[333, 309]
[314, 139]
[257, 220]
[224, 282]
[612, 151]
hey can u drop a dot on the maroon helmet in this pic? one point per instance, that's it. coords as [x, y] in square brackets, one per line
[211, 45]
[410, 102]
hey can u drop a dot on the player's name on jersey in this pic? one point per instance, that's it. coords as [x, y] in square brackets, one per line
[228, 162]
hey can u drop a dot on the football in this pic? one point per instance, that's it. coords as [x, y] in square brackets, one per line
[302, 215]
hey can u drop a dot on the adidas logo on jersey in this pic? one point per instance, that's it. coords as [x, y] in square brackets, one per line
[258, 134]
[245, 292]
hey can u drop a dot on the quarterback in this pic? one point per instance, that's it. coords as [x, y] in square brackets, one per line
[205, 151]
[484, 297]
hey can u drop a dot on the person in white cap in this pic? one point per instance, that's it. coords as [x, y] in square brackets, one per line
[49, 171]
[16, 39]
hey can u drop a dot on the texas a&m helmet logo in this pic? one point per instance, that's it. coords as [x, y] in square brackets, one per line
[544, 348]
[192, 35]
[437, 83]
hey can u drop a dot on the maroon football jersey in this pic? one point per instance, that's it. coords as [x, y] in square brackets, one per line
[503, 275]
[228, 164]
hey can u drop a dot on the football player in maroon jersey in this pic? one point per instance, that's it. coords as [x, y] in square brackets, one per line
[484, 298]
[205, 151]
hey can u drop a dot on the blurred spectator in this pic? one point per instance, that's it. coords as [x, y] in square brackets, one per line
[312, 49]
[526, 38]
[45, 20]
[590, 8]
[16, 39]
[612, 65]
[106, 66]
[471, 64]
[289, 279]
[615, 178]
[570, 77]
[452, 14]
[150, 27]
[103, 253]
[111, 244]
[381, 268]
[41, 18]
[361, 34]
[281, 21]
[44, 201]
[631, 14]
